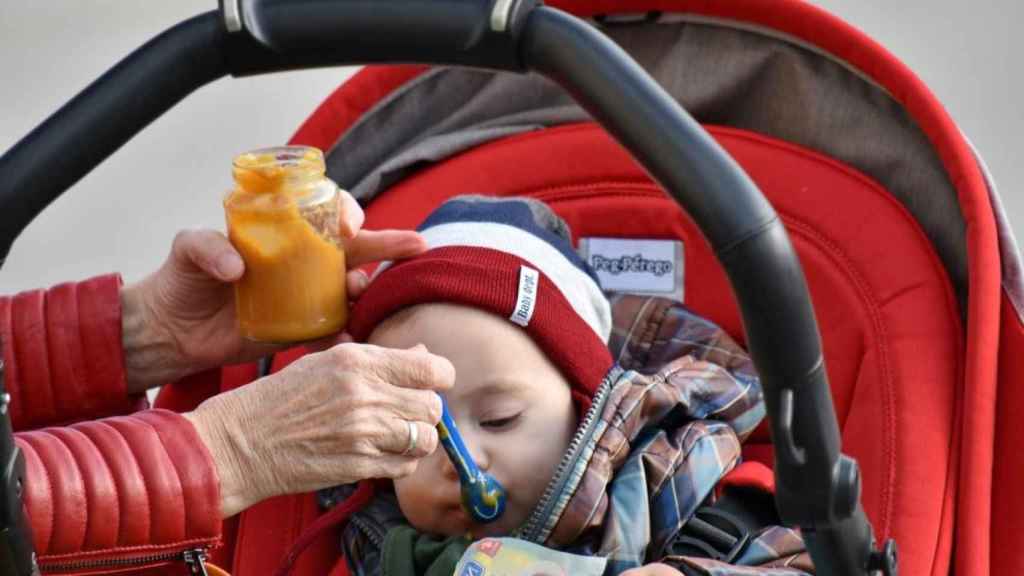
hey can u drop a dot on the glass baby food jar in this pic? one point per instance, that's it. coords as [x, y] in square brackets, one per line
[282, 217]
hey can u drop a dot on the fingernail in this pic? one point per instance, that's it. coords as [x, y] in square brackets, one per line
[229, 266]
[363, 279]
[416, 244]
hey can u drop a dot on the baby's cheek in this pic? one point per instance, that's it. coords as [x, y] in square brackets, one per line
[414, 501]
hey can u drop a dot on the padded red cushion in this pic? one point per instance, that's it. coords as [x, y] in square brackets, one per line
[1008, 474]
[886, 311]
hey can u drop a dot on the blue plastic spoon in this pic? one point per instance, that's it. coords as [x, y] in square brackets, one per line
[483, 497]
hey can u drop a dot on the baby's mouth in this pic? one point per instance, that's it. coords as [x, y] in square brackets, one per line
[453, 515]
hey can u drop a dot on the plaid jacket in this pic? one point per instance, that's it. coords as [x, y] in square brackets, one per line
[664, 428]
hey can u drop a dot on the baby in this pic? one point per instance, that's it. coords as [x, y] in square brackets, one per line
[582, 447]
[503, 296]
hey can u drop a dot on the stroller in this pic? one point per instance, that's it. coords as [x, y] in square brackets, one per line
[911, 268]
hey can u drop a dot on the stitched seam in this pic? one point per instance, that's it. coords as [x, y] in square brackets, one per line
[177, 471]
[49, 486]
[142, 475]
[44, 327]
[105, 429]
[17, 353]
[87, 445]
[595, 189]
[53, 508]
[113, 481]
[953, 308]
[724, 253]
[870, 302]
[58, 345]
[85, 492]
[844, 263]
[80, 373]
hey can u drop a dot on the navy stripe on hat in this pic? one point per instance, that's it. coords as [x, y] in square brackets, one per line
[530, 215]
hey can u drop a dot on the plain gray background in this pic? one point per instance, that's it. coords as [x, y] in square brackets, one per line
[123, 216]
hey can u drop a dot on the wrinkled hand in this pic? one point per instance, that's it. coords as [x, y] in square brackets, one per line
[181, 319]
[653, 570]
[330, 418]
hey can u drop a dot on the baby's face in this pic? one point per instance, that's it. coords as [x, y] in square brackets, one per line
[511, 405]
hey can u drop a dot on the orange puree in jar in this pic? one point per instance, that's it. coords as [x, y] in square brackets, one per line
[282, 218]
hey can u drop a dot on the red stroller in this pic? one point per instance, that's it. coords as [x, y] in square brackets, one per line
[913, 272]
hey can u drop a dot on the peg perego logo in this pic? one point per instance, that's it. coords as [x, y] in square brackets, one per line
[636, 263]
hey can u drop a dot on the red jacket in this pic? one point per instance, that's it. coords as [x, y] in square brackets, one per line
[130, 491]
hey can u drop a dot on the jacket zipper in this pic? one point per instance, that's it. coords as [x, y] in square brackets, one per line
[194, 559]
[532, 529]
[368, 531]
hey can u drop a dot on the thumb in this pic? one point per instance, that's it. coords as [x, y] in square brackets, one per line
[207, 251]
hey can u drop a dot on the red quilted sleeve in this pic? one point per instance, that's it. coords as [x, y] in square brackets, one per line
[62, 353]
[137, 490]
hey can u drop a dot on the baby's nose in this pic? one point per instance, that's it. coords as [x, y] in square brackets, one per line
[476, 454]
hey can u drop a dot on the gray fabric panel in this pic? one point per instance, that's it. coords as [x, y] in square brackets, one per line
[428, 118]
[428, 150]
[725, 76]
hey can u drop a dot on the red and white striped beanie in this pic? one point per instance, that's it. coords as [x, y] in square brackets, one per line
[512, 257]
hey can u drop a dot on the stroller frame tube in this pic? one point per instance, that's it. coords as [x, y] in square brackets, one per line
[818, 488]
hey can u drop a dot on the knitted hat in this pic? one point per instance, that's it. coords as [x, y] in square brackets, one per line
[512, 257]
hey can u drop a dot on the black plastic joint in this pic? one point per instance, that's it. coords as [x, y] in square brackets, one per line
[885, 560]
[845, 487]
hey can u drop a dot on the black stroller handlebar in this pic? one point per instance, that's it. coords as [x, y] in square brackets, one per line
[818, 488]
[284, 34]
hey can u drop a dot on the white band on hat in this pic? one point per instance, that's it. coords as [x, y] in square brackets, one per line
[576, 286]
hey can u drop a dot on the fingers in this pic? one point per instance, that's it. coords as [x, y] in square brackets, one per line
[402, 441]
[209, 251]
[351, 216]
[415, 368]
[376, 245]
[387, 466]
[356, 282]
[415, 405]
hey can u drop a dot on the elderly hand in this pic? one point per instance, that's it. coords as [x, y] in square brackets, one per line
[181, 319]
[332, 417]
[653, 570]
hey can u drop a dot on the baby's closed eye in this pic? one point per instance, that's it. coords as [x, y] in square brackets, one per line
[499, 422]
